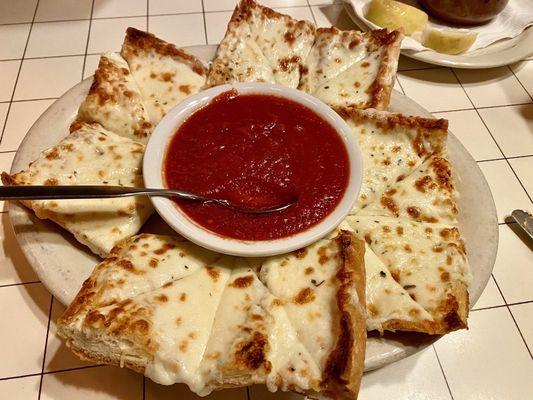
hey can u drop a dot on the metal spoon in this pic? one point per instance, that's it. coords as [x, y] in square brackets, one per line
[104, 192]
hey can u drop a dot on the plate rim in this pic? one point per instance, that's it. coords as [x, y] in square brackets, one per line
[375, 362]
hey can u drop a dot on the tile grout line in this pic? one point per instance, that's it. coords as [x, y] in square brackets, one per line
[57, 371]
[520, 82]
[8, 378]
[484, 107]
[519, 180]
[419, 68]
[520, 332]
[28, 100]
[248, 397]
[519, 303]
[400, 84]
[487, 308]
[442, 370]
[45, 345]
[503, 158]
[205, 22]
[512, 316]
[18, 72]
[46, 57]
[311, 9]
[20, 283]
[87, 43]
[493, 138]
[147, 24]
[144, 388]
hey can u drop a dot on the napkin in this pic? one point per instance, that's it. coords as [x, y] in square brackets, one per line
[517, 16]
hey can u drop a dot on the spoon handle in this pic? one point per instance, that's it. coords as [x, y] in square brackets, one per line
[82, 192]
[41, 192]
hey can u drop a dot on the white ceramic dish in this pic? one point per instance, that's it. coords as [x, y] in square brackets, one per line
[153, 166]
[503, 52]
[42, 241]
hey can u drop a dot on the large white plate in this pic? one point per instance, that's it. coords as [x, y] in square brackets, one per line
[503, 52]
[62, 264]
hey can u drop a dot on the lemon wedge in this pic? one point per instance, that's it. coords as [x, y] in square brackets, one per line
[449, 41]
[393, 15]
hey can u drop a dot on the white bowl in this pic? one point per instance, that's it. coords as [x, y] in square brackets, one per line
[181, 223]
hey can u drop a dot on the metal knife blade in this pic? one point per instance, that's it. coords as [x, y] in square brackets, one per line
[525, 220]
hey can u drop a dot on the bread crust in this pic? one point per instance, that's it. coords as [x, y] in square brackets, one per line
[428, 130]
[137, 42]
[453, 312]
[113, 90]
[381, 88]
[389, 120]
[85, 355]
[344, 368]
[8, 180]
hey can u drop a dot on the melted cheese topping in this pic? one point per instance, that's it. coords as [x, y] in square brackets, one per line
[427, 194]
[389, 154]
[426, 259]
[240, 54]
[234, 324]
[91, 156]
[164, 81]
[341, 68]
[209, 323]
[115, 102]
[292, 363]
[307, 285]
[250, 317]
[386, 299]
[262, 46]
[182, 326]
[146, 263]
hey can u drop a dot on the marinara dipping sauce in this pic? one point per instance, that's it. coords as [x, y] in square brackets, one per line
[253, 149]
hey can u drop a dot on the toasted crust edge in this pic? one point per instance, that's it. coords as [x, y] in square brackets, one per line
[389, 120]
[100, 359]
[12, 180]
[136, 41]
[345, 364]
[453, 312]
[428, 130]
[9, 180]
[99, 95]
[381, 88]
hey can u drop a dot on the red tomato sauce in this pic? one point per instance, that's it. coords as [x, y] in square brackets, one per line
[248, 148]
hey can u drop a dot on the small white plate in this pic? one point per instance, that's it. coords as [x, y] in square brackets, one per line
[154, 160]
[62, 264]
[503, 52]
